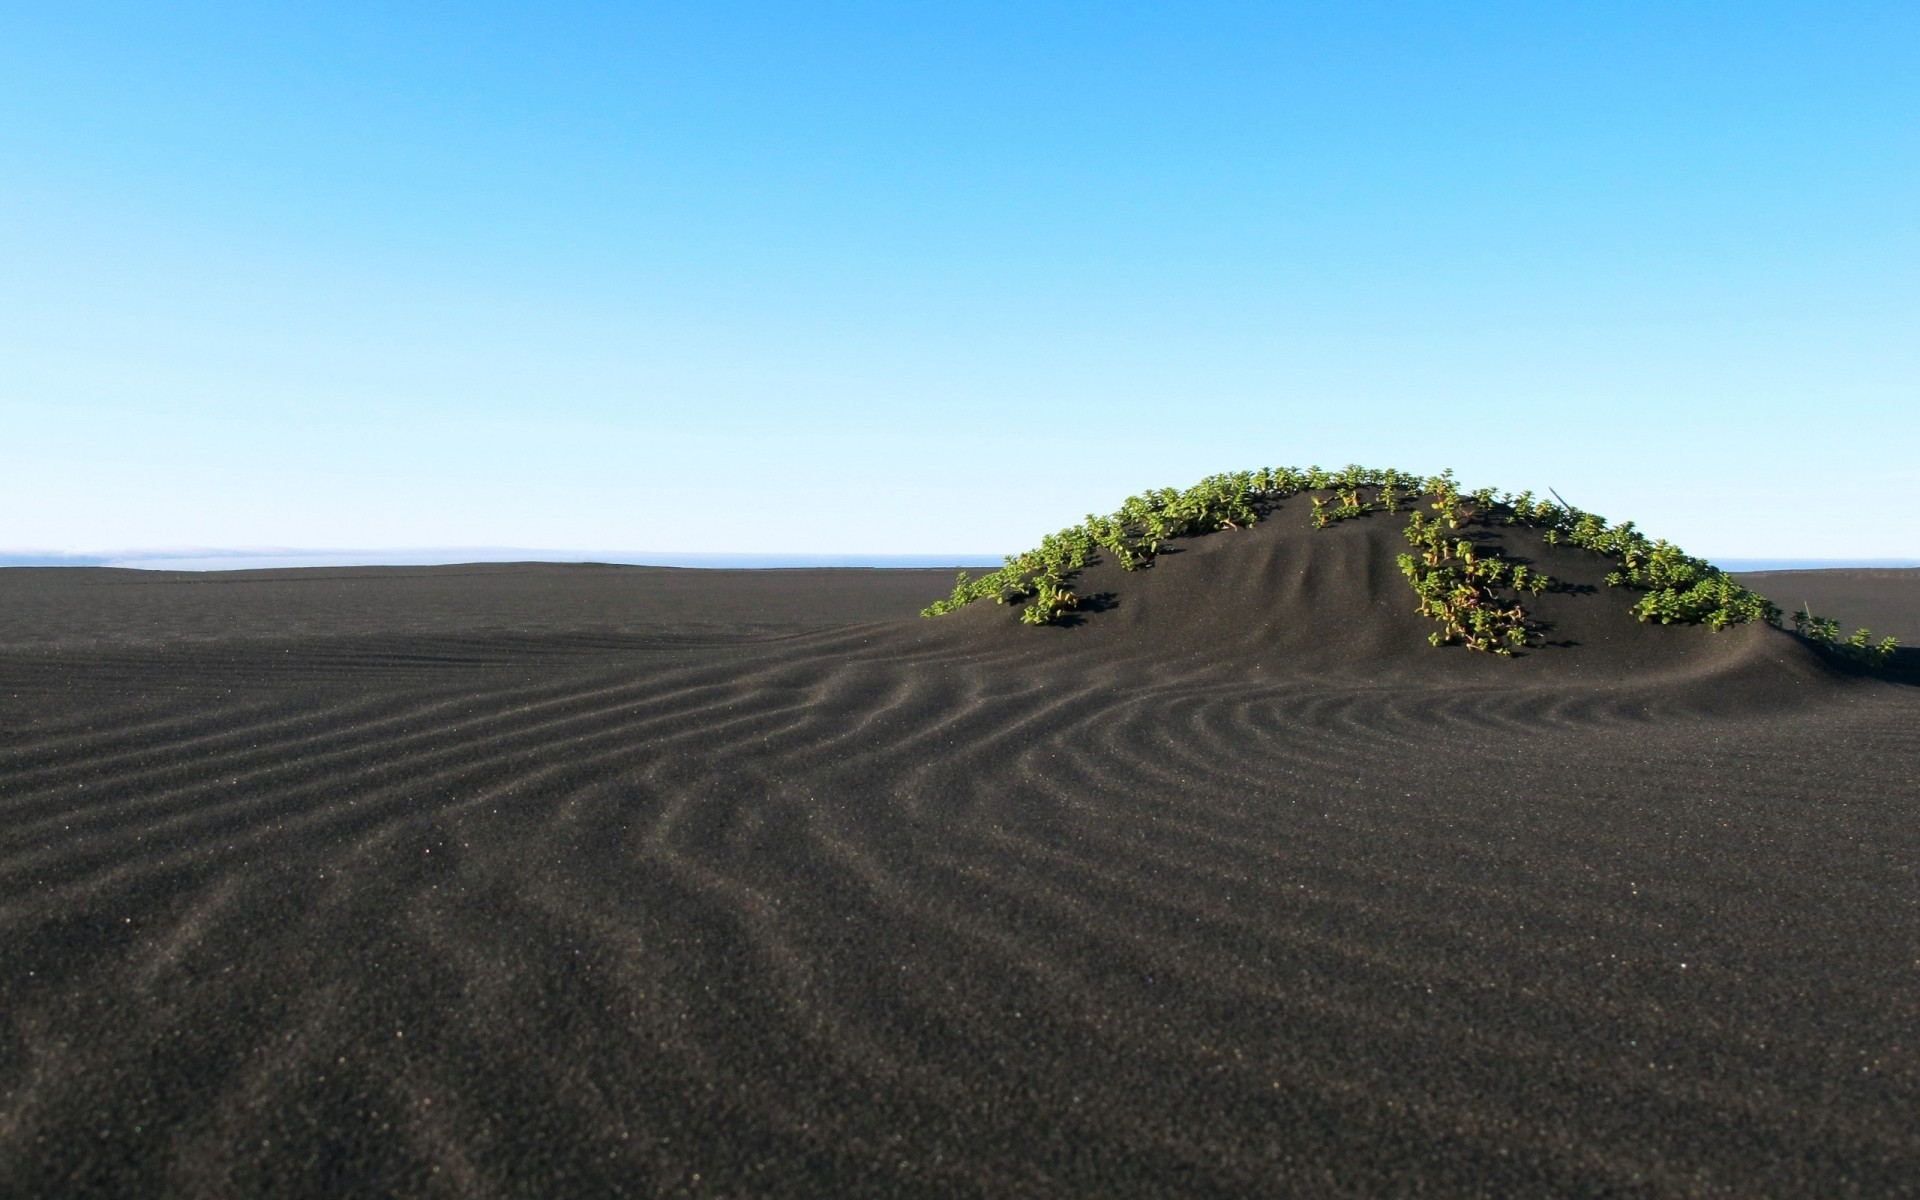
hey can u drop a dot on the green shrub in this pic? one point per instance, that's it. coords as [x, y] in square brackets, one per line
[1679, 587]
[1132, 536]
[1465, 587]
[1824, 632]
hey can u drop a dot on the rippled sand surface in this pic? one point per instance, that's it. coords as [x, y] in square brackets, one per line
[603, 881]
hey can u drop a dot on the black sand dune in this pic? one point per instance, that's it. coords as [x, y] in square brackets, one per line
[542, 880]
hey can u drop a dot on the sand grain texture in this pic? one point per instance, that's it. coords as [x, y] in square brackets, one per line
[539, 880]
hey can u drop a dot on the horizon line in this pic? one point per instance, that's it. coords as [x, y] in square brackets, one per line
[279, 557]
[272, 558]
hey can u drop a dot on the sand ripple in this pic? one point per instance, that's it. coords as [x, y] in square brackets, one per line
[852, 913]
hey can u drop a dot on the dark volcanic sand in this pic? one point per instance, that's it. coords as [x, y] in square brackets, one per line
[543, 880]
[1884, 599]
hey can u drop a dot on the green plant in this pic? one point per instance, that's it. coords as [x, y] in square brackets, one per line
[1350, 505]
[1862, 646]
[1821, 631]
[1824, 632]
[1388, 496]
[1465, 586]
[1132, 535]
[1679, 587]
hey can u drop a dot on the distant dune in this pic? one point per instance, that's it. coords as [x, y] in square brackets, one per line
[544, 879]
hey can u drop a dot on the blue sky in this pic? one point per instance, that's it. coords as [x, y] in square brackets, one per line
[899, 278]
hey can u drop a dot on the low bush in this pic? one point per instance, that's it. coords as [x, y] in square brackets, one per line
[1824, 632]
[1465, 587]
[1469, 590]
[1133, 536]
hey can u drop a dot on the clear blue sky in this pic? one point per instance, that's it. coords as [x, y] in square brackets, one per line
[897, 278]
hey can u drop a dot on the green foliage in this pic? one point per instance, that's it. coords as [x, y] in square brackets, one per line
[1463, 586]
[1350, 505]
[1132, 536]
[1472, 593]
[1824, 632]
[1679, 587]
[1051, 599]
[1392, 489]
[1389, 489]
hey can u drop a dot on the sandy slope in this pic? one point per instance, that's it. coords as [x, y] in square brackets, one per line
[537, 880]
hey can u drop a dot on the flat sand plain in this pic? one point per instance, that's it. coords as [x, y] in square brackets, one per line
[559, 880]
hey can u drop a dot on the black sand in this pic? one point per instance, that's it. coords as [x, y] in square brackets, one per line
[542, 880]
[1884, 599]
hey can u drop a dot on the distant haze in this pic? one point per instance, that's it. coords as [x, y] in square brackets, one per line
[880, 280]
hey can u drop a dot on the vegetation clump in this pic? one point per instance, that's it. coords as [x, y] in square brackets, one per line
[1824, 632]
[1462, 586]
[1469, 591]
[1133, 536]
[1678, 587]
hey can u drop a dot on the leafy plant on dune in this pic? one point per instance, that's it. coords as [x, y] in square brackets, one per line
[1469, 590]
[1346, 504]
[1678, 586]
[1132, 536]
[1825, 633]
[1464, 586]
